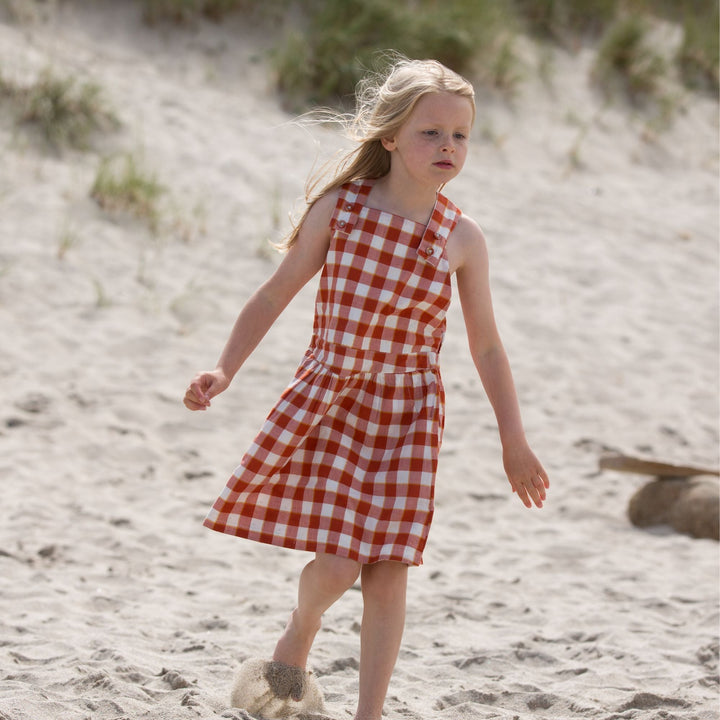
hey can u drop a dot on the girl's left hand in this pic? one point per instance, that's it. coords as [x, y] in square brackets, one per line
[526, 474]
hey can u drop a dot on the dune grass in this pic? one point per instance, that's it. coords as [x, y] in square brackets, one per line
[323, 61]
[66, 112]
[564, 20]
[333, 42]
[122, 185]
[186, 11]
[627, 62]
[181, 11]
[67, 240]
[699, 55]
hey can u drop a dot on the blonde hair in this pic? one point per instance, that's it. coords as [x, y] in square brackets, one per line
[384, 101]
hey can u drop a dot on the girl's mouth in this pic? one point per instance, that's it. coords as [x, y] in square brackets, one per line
[444, 165]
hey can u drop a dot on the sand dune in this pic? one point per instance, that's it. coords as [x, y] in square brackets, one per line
[116, 603]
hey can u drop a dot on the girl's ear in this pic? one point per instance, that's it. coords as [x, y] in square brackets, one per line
[389, 144]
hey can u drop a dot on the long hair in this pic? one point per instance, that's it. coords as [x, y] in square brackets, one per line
[384, 102]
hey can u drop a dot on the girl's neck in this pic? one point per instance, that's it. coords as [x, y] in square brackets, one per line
[401, 199]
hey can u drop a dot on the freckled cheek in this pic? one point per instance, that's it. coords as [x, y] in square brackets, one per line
[429, 143]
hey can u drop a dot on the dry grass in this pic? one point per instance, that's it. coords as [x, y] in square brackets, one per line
[122, 185]
[65, 112]
[628, 63]
[188, 11]
[323, 61]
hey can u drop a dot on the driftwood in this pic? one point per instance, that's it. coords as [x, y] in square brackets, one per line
[684, 497]
[641, 466]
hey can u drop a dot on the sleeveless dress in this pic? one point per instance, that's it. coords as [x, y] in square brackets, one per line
[345, 463]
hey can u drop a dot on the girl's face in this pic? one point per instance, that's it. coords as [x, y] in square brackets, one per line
[431, 147]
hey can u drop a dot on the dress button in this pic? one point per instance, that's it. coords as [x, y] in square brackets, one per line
[429, 250]
[348, 207]
[341, 223]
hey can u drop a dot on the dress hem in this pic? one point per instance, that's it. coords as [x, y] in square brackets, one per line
[313, 547]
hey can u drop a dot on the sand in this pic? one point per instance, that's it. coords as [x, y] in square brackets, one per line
[116, 603]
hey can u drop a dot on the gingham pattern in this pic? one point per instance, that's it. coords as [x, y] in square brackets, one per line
[345, 462]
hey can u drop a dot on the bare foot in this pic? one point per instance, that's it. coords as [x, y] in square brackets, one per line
[294, 646]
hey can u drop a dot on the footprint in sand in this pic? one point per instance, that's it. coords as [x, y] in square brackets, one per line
[650, 701]
[465, 696]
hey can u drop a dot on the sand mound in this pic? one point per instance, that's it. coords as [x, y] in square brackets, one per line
[273, 690]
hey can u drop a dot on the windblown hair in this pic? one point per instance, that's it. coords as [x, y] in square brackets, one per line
[384, 101]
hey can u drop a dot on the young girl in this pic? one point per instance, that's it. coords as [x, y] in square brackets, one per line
[345, 463]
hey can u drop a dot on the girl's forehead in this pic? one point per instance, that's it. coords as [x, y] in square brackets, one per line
[444, 106]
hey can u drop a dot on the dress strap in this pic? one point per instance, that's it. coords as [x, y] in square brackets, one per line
[444, 218]
[351, 199]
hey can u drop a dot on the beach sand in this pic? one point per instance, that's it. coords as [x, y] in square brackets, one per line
[116, 603]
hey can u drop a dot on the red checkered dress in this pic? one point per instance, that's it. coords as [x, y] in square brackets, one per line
[345, 462]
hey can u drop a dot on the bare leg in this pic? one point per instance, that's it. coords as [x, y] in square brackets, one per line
[384, 586]
[322, 582]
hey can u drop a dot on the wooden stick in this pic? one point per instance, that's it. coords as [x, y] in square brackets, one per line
[641, 466]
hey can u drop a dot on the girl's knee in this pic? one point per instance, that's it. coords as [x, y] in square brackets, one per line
[337, 572]
[384, 581]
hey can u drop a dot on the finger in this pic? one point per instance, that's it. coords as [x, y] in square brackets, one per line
[544, 477]
[523, 495]
[193, 402]
[198, 392]
[192, 405]
[540, 484]
[534, 492]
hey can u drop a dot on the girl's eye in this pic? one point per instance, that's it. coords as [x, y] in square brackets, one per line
[460, 136]
[431, 133]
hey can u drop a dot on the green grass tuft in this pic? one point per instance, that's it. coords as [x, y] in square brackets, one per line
[561, 20]
[334, 42]
[65, 112]
[699, 55]
[182, 11]
[627, 63]
[121, 185]
[322, 62]
[186, 11]
[67, 240]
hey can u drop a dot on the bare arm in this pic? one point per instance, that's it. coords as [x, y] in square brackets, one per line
[302, 262]
[469, 258]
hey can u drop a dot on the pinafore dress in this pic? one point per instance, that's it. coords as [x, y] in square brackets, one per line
[345, 462]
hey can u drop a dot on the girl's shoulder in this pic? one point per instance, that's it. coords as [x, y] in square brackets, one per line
[468, 231]
[466, 244]
[324, 206]
[316, 220]
[329, 198]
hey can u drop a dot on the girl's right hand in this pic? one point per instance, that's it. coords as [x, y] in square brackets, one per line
[204, 386]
